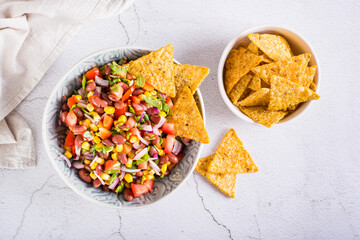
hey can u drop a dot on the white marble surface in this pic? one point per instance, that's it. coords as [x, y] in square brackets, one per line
[309, 179]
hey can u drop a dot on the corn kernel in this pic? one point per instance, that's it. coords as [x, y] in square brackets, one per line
[161, 152]
[119, 148]
[151, 172]
[68, 154]
[87, 123]
[149, 177]
[100, 125]
[90, 107]
[99, 145]
[162, 114]
[168, 163]
[93, 175]
[146, 172]
[93, 165]
[131, 155]
[129, 163]
[164, 168]
[109, 110]
[99, 160]
[81, 122]
[105, 176]
[93, 127]
[127, 185]
[90, 94]
[78, 98]
[147, 93]
[87, 161]
[149, 168]
[122, 119]
[153, 93]
[134, 139]
[85, 145]
[97, 140]
[96, 117]
[114, 156]
[128, 177]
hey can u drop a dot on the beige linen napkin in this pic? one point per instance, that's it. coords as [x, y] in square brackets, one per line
[32, 35]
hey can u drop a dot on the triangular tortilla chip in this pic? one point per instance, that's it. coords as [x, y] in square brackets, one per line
[189, 75]
[262, 115]
[238, 63]
[274, 46]
[157, 68]
[309, 76]
[253, 48]
[292, 69]
[187, 118]
[255, 83]
[239, 88]
[258, 98]
[231, 156]
[225, 182]
[284, 93]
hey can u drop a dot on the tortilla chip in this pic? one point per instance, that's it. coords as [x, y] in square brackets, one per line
[312, 86]
[231, 156]
[225, 182]
[309, 76]
[157, 68]
[274, 46]
[292, 69]
[239, 88]
[243, 44]
[237, 65]
[284, 93]
[258, 98]
[262, 115]
[246, 93]
[187, 118]
[189, 75]
[255, 83]
[253, 48]
[266, 59]
[264, 84]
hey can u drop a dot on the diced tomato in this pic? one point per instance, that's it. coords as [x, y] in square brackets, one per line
[73, 149]
[127, 94]
[134, 132]
[168, 128]
[71, 119]
[143, 165]
[121, 111]
[111, 165]
[135, 99]
[148, 87]
[92, 73]
[71, 101]
[138, 108]
[104, 133]
[119, 93]
[127, 148]
[69, 140]
[140, 189]
[168, 101]
[169, 143]
[131, 122]
[107, 121]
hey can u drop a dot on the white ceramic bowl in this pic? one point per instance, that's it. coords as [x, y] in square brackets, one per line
[54, 136]
[298, 45]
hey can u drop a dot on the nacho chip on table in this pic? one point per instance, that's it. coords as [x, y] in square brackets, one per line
[274, 46]
[239, 88]
[187, 118]
[284, 93]
[292, 69]
[231, 156]
[255, 83]
[157, 68]
[225, 182]
[189, 75]
[258, 98]
[237, 65]
[309, 76]
[262, 115]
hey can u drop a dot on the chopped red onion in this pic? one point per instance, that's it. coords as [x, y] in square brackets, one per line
[136, 146]
[81, 92]
[141, 117]
[91, 119]
[157, 126]
[102, 181]
[129, 114]
[155, 167]
[163, 96]
[177, 147]
[101, 82]
[143, 106]
[124, 169]
[78, 165]
[140, 154]
[122, 175]
[146, 127]
[98, 89]
[82, 105]
[142, 139]
[96, 93]
[156, 110]
[114, 183]
[65, 158]
[89, 156]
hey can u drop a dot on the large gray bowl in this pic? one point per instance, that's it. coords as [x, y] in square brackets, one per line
[53, 137]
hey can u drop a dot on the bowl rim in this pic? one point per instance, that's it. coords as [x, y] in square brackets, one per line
[46, 143]
[231, 45]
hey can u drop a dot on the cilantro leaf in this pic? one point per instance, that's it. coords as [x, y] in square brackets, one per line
[165, 107]
[118, 70]
[131, 109]
[153, 102]
[140, 81]
[83, 82]
[115, 87]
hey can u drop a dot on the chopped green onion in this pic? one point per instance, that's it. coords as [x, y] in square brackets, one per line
[83, 82]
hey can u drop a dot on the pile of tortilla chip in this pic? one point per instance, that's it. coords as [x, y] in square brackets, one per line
[179, 82]
[266, 81]
[230, 158]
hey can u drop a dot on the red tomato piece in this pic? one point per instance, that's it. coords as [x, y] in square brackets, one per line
[69, 140]
[131, 122]
[168, 128]
[169, 143]
[111, 165]
[71, 119]
[135, 99]
[127, 94]
[104, 133]
[127, 148]
[118, 94]
[92, 73]
[168, 101]
[140, 189]
[71, 101]
[148, 87]
[107, 121]
[143, 165]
